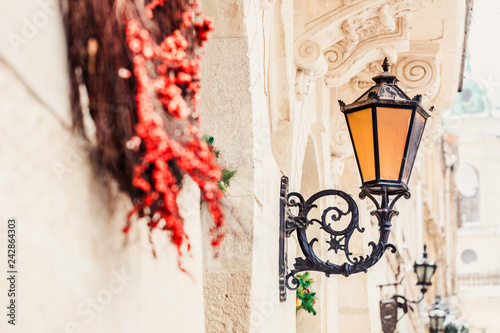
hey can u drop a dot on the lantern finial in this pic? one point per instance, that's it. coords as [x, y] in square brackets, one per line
[386, 76]
[386, 65]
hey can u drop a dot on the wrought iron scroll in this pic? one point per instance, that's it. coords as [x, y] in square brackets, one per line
[339, 239]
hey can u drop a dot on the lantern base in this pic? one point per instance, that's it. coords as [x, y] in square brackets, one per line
[376, 187]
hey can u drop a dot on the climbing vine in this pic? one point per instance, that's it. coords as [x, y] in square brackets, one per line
[138, 63]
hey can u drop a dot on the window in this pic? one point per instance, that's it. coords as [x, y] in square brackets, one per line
[468, 256]
[467, 183]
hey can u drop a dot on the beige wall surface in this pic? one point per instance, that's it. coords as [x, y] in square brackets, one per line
[75, 272]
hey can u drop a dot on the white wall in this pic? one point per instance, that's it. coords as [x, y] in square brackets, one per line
[75, 272]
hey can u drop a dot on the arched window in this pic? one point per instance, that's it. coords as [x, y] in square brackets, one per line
[467, 183]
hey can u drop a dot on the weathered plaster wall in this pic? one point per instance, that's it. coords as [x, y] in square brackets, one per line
[76, 274]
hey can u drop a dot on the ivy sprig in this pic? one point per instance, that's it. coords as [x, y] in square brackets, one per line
[305, 299]
[226, 174]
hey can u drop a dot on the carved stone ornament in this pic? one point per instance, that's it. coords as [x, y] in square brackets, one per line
[311, 64]
[386, 17]
[341, 142]
[375, 20]
[345, 61]
[309, 56]
[303, 81]
[381, 30]
[417, 74]
[361, 82]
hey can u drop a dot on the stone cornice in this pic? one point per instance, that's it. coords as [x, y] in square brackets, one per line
[341, 43]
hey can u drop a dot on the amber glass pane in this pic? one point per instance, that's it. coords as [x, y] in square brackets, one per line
[415, 137]
[360, 123]
[392, 127]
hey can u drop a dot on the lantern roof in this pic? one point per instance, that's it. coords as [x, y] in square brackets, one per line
[386, 91]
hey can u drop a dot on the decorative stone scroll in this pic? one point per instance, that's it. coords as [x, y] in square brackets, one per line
[311, 64]
[369, 34]
[419, 75]
[340, 142]
[303, 83]
[375, 20]
[357, 34]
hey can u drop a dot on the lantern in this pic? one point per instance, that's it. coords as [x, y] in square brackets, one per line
[437, 317]
[425, 269]
[385, 127]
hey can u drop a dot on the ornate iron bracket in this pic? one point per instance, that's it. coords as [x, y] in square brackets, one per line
[339, 239]
[389, 312]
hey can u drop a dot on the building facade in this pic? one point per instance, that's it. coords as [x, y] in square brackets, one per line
[274, 72]
[474, 120]
[271, 77]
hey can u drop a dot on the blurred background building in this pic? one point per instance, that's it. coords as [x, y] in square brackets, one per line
[474, 122]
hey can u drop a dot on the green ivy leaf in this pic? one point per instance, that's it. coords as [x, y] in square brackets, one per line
[226, 174]
[208, 139]
[306, 297]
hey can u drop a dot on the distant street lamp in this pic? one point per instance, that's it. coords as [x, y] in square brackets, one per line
[424, 269]
[436, 319]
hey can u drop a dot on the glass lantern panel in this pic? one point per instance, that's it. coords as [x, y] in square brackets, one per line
[420, 271]
[415, 137]
[429, 272]
[440, 322]
[433, 323]
[392, 127]
[361, 126]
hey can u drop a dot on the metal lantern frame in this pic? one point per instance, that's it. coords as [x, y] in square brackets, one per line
[295, 209]
[429, 268]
